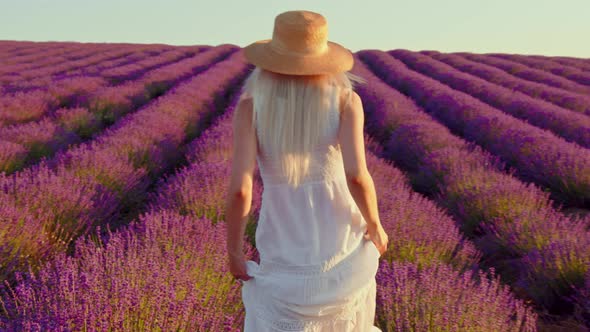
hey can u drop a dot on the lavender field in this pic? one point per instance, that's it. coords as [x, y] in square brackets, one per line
[114, 161]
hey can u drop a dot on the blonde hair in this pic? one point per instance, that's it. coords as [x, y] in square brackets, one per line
[290, 114]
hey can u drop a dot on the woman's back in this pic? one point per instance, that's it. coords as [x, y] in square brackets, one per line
[314, 260]
[318, 220]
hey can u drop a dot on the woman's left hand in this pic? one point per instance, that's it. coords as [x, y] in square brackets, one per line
[237, 267]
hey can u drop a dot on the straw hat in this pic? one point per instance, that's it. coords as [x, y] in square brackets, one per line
[299, 46]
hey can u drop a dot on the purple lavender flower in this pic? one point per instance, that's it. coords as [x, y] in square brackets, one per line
[442, 299]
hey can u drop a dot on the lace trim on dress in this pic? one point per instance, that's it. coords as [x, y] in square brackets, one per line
[347, 314]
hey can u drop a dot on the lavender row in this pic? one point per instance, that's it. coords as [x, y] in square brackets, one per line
[25, 106]
[12, 49]
[18, 105]
[38, 76]
[572, 126]
[19, 47]
[98, 182]
[43, 79]
[137, 68]
[27, 51]
[202, 294]
[110, 101]
[77, 55]
[47, 67]
[204, 184]
[568, 61]
[34, 51]
[573, 101]
[165, 272]
[531, 74]
[536, 154]
[22, 145]
[200, 188]
[468, 182]
[114, 71]
[439, 298]
[90, 92]
[45, 54]
[572, 74]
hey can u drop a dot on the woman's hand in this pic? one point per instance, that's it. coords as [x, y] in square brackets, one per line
[237, 266]
[377, 234]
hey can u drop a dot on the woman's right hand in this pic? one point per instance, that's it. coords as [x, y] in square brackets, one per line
[377, 234]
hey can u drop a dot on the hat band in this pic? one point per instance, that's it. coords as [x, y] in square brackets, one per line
[279, 47]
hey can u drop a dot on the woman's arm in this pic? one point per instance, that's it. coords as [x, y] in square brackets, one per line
[360, 182]
[239, 193]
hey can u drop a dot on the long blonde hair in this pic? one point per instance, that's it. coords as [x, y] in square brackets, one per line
[290, 114]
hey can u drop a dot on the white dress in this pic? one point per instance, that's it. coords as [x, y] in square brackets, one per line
[317, 271]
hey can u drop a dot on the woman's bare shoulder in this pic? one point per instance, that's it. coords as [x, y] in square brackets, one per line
[349, 100]
[245, 96]
[244, 108]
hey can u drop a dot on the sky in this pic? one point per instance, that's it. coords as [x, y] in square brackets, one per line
[540, 27]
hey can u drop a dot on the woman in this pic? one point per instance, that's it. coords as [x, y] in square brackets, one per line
[319, 236]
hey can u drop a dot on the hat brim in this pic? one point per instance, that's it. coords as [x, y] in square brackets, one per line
[336, 59]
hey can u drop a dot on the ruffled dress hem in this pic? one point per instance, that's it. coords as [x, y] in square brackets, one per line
[277, 301]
